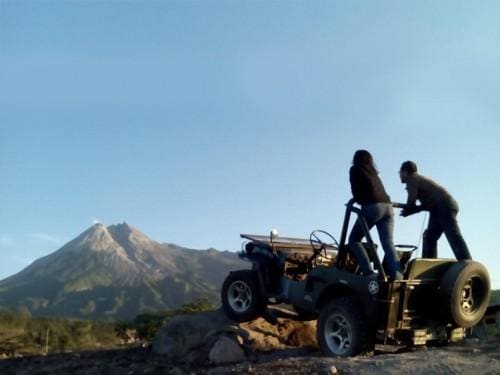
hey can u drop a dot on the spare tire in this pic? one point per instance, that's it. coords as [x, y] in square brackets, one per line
[465, 293]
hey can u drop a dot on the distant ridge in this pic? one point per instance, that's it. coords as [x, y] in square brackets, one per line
[116, 272]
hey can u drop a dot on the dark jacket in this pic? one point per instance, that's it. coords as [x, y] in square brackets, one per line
[366, 186]
[431, 195]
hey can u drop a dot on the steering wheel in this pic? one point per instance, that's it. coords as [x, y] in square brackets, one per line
[317, 239]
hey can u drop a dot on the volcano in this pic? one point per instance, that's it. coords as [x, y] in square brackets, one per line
[116, 272]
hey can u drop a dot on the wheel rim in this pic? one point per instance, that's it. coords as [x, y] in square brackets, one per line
[239, 296]
[338, 334]
[472, 295]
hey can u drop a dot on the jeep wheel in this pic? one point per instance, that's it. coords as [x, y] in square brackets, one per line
[465, 292]
[343, 330]
[241, 297]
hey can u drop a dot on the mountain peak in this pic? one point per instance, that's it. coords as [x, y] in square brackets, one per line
[122, 228]
[96, 238]
[127, 236]
[97, 226]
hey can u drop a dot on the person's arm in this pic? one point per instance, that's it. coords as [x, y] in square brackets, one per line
[411, 187]
[411, 203]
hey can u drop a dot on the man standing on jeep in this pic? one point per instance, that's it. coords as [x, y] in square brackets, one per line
[443, 211]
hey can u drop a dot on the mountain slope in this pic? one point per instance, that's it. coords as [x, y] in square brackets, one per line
[118, 272]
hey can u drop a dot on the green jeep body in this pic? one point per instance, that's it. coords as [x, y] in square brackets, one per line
[437, 300]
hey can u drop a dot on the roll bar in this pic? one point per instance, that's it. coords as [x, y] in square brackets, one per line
[351, 208]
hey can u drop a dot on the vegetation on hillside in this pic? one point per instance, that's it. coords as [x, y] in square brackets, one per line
[494, 331]
[22, 334]
[495, 297]
[145, 326]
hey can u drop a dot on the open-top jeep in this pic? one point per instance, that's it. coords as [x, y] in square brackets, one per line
[437, 300]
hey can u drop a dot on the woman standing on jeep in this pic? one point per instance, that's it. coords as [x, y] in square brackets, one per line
[368, 191]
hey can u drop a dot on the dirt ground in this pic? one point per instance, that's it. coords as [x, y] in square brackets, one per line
[469, 357]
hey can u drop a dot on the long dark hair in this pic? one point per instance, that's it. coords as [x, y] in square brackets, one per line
[364, 159]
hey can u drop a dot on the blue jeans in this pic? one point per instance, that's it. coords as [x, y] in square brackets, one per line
[381, 215]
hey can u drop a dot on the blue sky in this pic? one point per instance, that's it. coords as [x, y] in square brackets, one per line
[195, 121]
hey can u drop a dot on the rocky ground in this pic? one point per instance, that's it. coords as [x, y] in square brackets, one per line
[469, 357]
[209, 343]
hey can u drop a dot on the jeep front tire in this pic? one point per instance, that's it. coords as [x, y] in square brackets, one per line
[241, 297]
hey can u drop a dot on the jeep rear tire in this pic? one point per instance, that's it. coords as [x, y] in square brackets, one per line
[343, 330]
[465, 292]
[241, 297]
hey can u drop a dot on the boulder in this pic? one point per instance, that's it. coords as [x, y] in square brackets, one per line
[184, 333]
[211, 336]
[226, 350]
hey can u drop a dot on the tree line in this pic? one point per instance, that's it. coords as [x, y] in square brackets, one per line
[23, 334]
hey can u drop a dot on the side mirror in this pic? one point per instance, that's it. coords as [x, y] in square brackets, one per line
[273, 234]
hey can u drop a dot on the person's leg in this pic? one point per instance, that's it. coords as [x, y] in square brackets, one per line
[371, 214]
[385, 228]
[431, 236]
[358, 249]
[453, 234]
